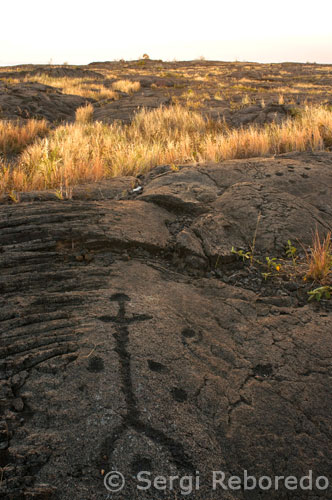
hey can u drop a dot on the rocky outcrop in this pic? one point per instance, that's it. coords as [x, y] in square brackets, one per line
[132, 338]
[125, 108]
[35, 100]
[248, 115]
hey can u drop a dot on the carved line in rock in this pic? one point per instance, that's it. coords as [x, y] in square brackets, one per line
[132, 418]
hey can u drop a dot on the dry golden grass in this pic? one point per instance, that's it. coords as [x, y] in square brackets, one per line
[307, 86]
[319, 259]
[16, 136]
[84, 114]
[10, 80]
[83, 152]
[246, 101]
[126, 86]
[281, 99]
[86, 87]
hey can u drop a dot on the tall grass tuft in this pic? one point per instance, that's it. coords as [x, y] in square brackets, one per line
[319, 260]
[126, 86]
[84, 114]
[16, 136]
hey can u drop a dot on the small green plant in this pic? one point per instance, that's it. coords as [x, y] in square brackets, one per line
[241, 253]
[323, 292]
[272, 263]
[317, 268]
[291, 252]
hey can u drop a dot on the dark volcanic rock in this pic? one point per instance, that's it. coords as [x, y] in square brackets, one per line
[52, 71]
[111, 189]
[257, 115]
[189, 190]
[248, 115]
[117, 354]
[125, 108]
[63, 71]
[35, 100]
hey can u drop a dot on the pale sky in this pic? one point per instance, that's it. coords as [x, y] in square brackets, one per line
[79, 32]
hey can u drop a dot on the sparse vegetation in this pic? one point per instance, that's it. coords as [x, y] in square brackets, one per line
[258, 81]
[315, 267]
[87, 87]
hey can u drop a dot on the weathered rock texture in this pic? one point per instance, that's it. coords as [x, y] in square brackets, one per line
[35, 100]
[125, 108]
[123, 347]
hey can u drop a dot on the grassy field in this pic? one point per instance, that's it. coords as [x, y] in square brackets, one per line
[87, 151]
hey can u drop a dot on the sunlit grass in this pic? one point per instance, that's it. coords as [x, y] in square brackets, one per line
[89, 151]
[84, 87]
[126, 86]
[84, 114]
[16, 136]
[319, 260]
